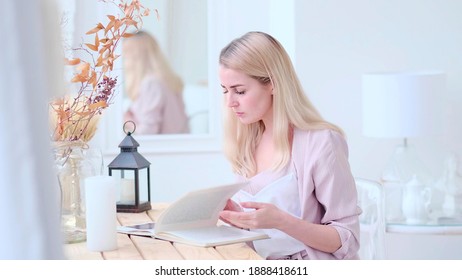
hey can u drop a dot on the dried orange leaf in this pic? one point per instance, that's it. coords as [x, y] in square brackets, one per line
[127, 35]
[73, 61]
[129, 21]
[109, 26]
[92, 79]
[128, 10]
[147, 11]
[95, 29]
[78, 78]
[117, 24]
[83, 67]
[109, 43]
[100, 104]
[96, 41]
[99, 61]
[92, 47]
[62, 115]
[103, 49]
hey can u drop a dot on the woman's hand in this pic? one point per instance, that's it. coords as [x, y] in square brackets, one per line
[231, 206]
[265, 215]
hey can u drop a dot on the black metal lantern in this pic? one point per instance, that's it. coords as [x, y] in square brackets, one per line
[132, 169]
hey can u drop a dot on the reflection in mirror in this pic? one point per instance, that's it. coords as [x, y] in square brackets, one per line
[165, 70]
[154, 90]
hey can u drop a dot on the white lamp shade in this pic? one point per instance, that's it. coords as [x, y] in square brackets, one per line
[403, 104]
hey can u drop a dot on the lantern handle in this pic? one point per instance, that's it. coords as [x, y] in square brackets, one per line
[129, 132]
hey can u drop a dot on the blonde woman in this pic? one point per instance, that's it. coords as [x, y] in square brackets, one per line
[154, 89]
[301, 191]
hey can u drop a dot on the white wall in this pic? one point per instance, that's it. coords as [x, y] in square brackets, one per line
[337, 41]
[332, 43]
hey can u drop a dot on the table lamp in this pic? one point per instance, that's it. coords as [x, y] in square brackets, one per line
[402, 105]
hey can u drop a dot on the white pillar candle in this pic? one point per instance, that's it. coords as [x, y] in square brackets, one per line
[100, 195]
[127, 191]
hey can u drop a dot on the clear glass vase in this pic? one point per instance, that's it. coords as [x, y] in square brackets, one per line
[75, 161]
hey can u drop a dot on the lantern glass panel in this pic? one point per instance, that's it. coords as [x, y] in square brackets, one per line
[143, 183]
[126, 183]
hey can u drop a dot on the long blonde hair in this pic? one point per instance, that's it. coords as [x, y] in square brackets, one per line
[146, 58]
[263, 58]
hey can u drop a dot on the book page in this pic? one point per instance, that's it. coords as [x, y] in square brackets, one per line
[212, 236]
[200, 208]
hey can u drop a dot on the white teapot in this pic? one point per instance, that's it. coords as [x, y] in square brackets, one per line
[416, 198]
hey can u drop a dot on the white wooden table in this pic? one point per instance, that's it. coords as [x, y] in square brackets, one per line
[147, 248]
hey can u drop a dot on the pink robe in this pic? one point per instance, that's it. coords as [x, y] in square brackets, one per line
[157, 110]
[326, 191]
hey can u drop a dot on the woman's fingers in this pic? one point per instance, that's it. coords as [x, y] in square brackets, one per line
[263, 215]
[233, 206]
[254, 205]
[239, 219]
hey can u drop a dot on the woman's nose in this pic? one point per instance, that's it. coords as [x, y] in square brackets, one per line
[231, 101]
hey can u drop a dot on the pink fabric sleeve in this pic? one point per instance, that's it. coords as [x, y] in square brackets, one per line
[327, 176]
[336, 190]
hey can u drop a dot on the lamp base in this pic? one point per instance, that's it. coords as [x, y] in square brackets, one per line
[400, 169]
[403, 165]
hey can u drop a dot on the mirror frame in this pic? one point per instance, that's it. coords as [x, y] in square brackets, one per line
[112, 134]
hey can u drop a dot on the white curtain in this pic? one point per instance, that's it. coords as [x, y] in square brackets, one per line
[30, 73]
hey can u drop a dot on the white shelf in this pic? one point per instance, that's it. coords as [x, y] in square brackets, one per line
[439, 229]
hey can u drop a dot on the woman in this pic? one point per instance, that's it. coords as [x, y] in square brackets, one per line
[154, 89]
[301, 191]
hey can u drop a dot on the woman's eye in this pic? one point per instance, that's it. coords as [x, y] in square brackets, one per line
[240, 92]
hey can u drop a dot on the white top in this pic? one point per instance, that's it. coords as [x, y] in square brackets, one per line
[287, 199]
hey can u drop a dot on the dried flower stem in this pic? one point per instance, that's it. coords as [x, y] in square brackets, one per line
[75, 118]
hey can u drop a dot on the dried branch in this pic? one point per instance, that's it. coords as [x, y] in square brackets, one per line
[76, 118]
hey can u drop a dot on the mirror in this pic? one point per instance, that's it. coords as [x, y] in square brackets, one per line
[185, 36]
[179, 33]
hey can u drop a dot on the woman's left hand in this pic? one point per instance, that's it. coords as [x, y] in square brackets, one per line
[265, 215]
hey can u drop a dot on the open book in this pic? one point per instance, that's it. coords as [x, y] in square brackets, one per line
[193, 220]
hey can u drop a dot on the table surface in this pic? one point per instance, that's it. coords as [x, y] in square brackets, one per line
[131, 247]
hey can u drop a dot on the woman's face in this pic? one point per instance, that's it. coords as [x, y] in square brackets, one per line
[250, 100]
